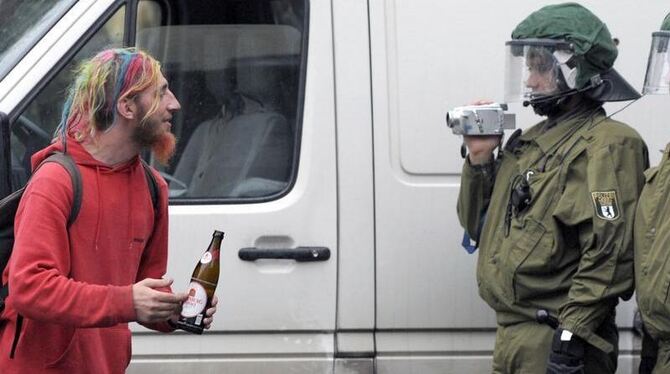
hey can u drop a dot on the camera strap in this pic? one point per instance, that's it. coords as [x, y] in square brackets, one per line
[567, 136]
[520, 194]
[513, 143]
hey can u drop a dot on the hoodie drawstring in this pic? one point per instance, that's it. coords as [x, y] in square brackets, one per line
[99, 218]
[129, 216]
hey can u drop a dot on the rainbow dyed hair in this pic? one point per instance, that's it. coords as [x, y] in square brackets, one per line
[102, 81]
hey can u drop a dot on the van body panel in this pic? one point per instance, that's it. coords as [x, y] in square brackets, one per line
[421, 282]
[356, 268]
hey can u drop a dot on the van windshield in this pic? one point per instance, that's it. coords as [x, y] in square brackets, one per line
[23, 24]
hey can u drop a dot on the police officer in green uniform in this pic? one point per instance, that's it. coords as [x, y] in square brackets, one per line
[553, 212]
[652, 228]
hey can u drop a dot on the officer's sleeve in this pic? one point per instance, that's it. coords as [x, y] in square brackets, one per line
[598, 205]
[475, 195]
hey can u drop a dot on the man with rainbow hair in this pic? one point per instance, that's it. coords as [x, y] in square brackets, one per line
[75, 287]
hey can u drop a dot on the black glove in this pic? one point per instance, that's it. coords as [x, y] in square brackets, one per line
[648, 354]
[567, 355]
[647, 365]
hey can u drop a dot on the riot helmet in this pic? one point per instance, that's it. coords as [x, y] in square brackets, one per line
[657, 79]
[559, 51]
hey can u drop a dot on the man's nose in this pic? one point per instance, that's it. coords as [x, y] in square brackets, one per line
[173, 105]
[531, 82]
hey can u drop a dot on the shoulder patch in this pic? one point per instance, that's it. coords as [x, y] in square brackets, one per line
[606, 204]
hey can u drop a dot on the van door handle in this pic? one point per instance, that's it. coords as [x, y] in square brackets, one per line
[300, 254]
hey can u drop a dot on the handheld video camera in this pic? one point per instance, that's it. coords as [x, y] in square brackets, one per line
[488, 119]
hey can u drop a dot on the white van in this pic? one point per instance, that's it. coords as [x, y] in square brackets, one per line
[313, 134]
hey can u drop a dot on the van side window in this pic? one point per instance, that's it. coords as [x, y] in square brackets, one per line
[34, 128]
[237, 68]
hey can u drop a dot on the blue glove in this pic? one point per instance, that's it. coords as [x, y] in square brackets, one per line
[467, 243]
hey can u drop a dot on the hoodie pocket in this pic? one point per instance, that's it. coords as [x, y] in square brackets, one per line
[50, 343]
[95, 348]
[67, 358]
[116, 345]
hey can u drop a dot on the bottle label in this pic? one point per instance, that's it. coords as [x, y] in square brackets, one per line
[197, 299]
[208, 256]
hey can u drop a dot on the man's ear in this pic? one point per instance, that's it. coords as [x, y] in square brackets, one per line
[127, 108]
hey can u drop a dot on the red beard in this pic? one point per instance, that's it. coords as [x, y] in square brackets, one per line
[163, 147]
[149, 134]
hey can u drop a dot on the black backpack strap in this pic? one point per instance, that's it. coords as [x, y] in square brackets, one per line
[4, 292]
[153, 187]
[17, 334]
[66, 161]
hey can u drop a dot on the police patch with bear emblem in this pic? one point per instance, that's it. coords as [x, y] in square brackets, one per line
[606, 204]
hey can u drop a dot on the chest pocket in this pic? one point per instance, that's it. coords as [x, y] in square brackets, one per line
[532, 257]
[543, 188]
[533, 253]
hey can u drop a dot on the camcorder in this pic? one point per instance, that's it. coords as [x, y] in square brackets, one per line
[488, 119]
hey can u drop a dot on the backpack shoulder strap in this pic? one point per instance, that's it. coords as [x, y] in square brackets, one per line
[66, 161]
[153, 186]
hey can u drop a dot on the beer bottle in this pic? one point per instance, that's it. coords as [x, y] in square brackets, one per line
[201, 289]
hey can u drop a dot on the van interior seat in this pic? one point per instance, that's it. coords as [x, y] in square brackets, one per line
[253, 153]
[272, 81]
[191, 54]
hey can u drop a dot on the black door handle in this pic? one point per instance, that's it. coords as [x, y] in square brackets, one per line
[300, 254]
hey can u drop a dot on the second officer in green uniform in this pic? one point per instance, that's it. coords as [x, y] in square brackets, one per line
[553, 213]
[652, 228]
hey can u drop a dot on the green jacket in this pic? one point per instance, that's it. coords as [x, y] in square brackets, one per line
[571, 250]
[652, 250]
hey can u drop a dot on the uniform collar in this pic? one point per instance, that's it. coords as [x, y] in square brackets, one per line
[546, 138]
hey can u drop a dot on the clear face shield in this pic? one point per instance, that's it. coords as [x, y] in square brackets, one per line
[657, 79]
[536, 68]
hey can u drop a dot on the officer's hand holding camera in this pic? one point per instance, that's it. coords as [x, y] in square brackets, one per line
[481, 123]
[480, 147]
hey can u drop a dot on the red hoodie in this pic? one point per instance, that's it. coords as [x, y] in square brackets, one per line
[76, 295]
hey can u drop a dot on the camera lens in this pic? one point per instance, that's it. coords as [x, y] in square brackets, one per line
[452, 122]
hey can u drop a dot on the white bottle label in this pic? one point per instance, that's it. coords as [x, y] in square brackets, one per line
[197, 299]
[206, 258]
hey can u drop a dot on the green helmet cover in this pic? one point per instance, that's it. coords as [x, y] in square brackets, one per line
[665, 26]
[594, 49]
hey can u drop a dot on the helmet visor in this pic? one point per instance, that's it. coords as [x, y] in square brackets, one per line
[537, 68]
[657, 79]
